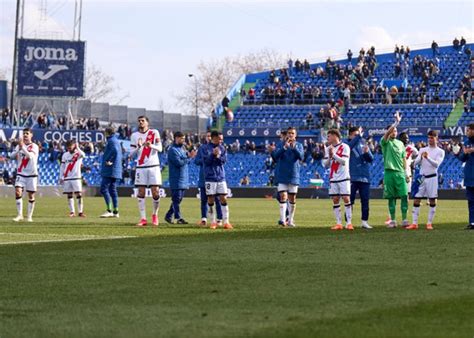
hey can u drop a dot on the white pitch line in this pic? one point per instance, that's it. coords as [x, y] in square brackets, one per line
[90, 238]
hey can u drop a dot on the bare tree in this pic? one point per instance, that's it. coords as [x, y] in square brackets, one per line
[100, 86]
[215, 77]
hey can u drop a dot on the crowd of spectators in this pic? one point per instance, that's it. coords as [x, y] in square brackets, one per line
[352, 82]
[53, 121]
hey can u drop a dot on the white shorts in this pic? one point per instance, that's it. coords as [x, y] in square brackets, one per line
[70, 186]
[290, 188]
[216, 188]
[428, 188]
[27, 183]
[342, 188]
[147, 177]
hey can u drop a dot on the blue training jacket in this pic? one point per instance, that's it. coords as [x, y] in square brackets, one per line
[213, 166]
[178, 161]
[112, 153]
[359, 162]
[288, 163]
[198, 160]
[276, 170]
[469, 166]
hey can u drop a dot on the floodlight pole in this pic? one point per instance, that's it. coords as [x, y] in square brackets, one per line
[15, 52]
[196, 98]
[76, 36]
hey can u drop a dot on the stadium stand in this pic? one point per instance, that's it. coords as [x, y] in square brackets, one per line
[424, 92]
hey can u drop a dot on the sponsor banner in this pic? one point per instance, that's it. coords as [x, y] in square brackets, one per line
[252, 132]
[264, 132]
[50, 68]
[419, 131]
[375, 132]
[54, 135]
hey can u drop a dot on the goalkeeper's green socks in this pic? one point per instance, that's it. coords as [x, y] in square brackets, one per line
[404, 207]
[392, 204]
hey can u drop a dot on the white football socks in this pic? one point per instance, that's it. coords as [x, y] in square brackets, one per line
[70, 203]
[141, 207]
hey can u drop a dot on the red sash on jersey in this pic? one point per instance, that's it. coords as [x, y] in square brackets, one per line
[409, 151]
[71, 165]
[150, 137]
[335, 165]
[25, 160]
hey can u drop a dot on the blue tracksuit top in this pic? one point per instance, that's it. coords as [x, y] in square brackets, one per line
[213, 166]
[198, 160]
[277, 167]
[112, 153]
[359, 162]
[469, 166]
[178, 167]
[288, 162]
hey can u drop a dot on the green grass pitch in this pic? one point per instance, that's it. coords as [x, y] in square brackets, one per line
[62, 277]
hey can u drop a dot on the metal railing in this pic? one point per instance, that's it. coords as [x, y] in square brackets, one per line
[429, 97]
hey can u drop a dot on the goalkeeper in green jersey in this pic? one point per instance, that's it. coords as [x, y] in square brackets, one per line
[395, 179]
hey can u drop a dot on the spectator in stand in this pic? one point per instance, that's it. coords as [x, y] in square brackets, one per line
[290, 66]
[235, 146]
[434, 48]
[253, 148]
[306, 66]
[309, 120]
[349, 56]
[225, 102]
[398, 69]
[245, 181]
[468, 52]
[243, 94]
[396, 53]
[462, 43]
[251, 93]
[298, 66]
[456, 43]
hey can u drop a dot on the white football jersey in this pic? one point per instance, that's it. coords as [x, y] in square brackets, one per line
[147, 156]
[26, 166]
[71, 165]
[338, 171]
[430, 165]
[411, 152]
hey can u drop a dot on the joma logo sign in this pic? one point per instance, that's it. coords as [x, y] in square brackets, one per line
[50, 54]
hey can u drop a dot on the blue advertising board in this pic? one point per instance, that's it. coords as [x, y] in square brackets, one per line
[49, 135]
[50, 68]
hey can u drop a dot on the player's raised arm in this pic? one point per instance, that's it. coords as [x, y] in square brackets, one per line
[82, 154]
[389, 131]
